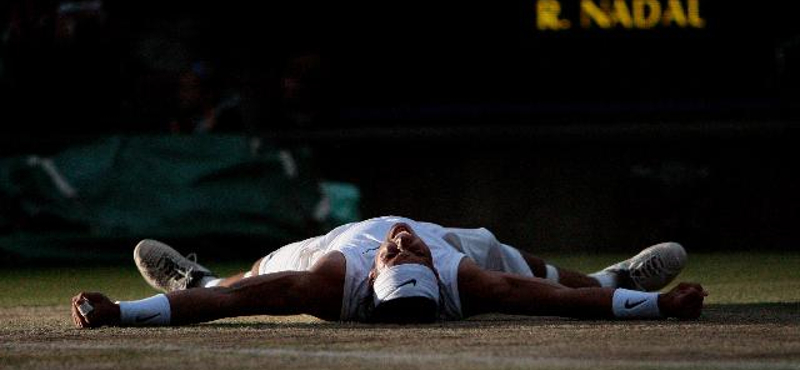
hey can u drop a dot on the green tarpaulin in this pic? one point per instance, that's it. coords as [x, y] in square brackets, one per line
[168, 187]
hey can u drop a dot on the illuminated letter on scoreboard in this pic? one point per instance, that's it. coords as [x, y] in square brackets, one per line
[548, 16]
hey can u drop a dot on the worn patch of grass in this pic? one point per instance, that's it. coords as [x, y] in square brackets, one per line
[745, 336]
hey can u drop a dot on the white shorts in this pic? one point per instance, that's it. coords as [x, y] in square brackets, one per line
[481, 246]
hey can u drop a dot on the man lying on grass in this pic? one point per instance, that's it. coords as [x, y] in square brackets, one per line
[393, 269]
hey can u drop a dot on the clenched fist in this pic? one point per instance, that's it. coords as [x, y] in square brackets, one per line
[92, 310]
[685, 301]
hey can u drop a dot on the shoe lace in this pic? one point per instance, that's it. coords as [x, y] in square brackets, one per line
[652, 267]
[188, 277]
[176, 272]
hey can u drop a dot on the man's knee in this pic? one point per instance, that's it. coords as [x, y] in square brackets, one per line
[254, 271]
[537, 265]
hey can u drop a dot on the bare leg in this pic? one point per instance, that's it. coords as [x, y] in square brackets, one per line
[230, 280]
[572, 279]
[233, 279]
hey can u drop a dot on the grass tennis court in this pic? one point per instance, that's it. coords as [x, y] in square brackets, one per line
[752, 321]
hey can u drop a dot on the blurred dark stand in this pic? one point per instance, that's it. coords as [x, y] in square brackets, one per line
[453, 112]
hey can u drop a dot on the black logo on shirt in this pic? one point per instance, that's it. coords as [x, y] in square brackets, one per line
[371, 250]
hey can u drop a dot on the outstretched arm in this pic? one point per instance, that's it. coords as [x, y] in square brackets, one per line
[317, 292]
[484, 291]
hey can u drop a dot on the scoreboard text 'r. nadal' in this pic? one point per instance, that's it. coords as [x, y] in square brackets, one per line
[620, 14]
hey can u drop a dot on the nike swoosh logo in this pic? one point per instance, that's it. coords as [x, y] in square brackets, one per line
[629, 304]
[412, 282]
[147, 318]
[371, 250]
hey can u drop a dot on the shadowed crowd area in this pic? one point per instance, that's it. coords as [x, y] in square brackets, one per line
[560, 125]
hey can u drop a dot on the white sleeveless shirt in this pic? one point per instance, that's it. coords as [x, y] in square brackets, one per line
[359, 242]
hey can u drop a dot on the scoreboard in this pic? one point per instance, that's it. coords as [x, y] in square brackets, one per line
[584, 59]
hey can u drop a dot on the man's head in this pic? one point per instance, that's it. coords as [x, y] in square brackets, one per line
[404, 280]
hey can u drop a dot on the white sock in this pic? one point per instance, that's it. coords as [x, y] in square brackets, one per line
[210, 281]
[606, 279]
[153, 311]
[552, 273]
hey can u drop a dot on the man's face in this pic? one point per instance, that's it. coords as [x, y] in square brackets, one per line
[401, 246]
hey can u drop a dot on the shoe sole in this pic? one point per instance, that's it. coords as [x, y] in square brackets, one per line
[144, 251]
[673, 256]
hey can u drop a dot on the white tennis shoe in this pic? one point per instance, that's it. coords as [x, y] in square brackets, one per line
[167, 270]
[650, 270]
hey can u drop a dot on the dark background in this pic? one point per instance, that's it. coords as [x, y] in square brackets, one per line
[460, 113]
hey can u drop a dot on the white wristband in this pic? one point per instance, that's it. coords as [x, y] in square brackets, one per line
[631, 304]
[153, 311]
